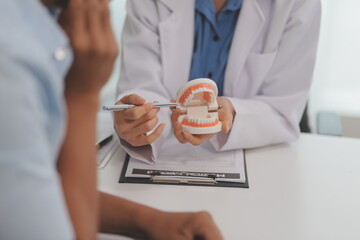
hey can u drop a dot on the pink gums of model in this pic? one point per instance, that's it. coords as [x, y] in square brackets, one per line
[198, 105]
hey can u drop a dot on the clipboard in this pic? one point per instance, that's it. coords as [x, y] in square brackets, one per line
[207, 180]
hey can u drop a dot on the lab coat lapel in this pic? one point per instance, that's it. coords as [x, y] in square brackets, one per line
[176, 41]
[249, 25]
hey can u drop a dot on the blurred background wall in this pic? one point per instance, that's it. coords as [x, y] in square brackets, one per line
[336, 85]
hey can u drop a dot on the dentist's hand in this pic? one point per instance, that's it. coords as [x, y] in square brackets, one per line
[184, 137]
[133, 124]
[226, 116]
[226, 113]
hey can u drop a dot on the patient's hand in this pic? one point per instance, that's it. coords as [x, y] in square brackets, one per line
[133, 124]
[226, 116]
[87, 24]
[166, 225]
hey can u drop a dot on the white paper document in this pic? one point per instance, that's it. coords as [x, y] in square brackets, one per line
[184, 162]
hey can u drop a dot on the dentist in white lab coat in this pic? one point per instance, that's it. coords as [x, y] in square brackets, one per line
[266, 82]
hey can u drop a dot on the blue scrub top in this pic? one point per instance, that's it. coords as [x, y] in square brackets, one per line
[213, 37]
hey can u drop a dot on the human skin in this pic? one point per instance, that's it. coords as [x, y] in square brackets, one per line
[89, 30]
[226, 116]
[133, 124]
[219, 4]
[87, 24]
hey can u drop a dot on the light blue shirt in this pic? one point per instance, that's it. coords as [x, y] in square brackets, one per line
[34, 58]
[213, 37]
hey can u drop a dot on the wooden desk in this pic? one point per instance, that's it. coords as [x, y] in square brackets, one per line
[308, 189]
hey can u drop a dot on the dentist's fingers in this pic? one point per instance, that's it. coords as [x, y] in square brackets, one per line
[197, 139]
[134, 133]
[133, 124]
[175, 115]
[179, 133]
[125, 125]
[147, 139]
[226, 114]
[184, 137]
[173, 101]
[226, 120]
[132, 99]
[150, 115]
[143, 128]
[177, 126]
[136, 112]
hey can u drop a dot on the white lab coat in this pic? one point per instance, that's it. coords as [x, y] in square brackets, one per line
[268, 75]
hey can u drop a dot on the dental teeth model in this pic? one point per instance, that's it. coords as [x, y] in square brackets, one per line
[198, 105]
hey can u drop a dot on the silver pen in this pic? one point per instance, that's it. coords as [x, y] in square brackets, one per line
[127, 106]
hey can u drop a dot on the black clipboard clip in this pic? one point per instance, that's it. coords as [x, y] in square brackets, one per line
[158, 177]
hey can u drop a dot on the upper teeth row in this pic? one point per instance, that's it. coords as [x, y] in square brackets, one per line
[193, 92]
[210, 119]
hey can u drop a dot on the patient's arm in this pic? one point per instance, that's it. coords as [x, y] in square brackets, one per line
[95, 51]
[77, 166]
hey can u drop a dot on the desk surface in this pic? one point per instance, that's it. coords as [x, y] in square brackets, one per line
[308, 189]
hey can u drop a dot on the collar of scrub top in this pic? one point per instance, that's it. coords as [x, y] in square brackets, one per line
[207, 8]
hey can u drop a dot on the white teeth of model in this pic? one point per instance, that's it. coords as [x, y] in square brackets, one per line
[187, 99]
[191, 120]
[198, 90]
[211, 118]
[190, 96]
[201, 95]
[193, 92]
